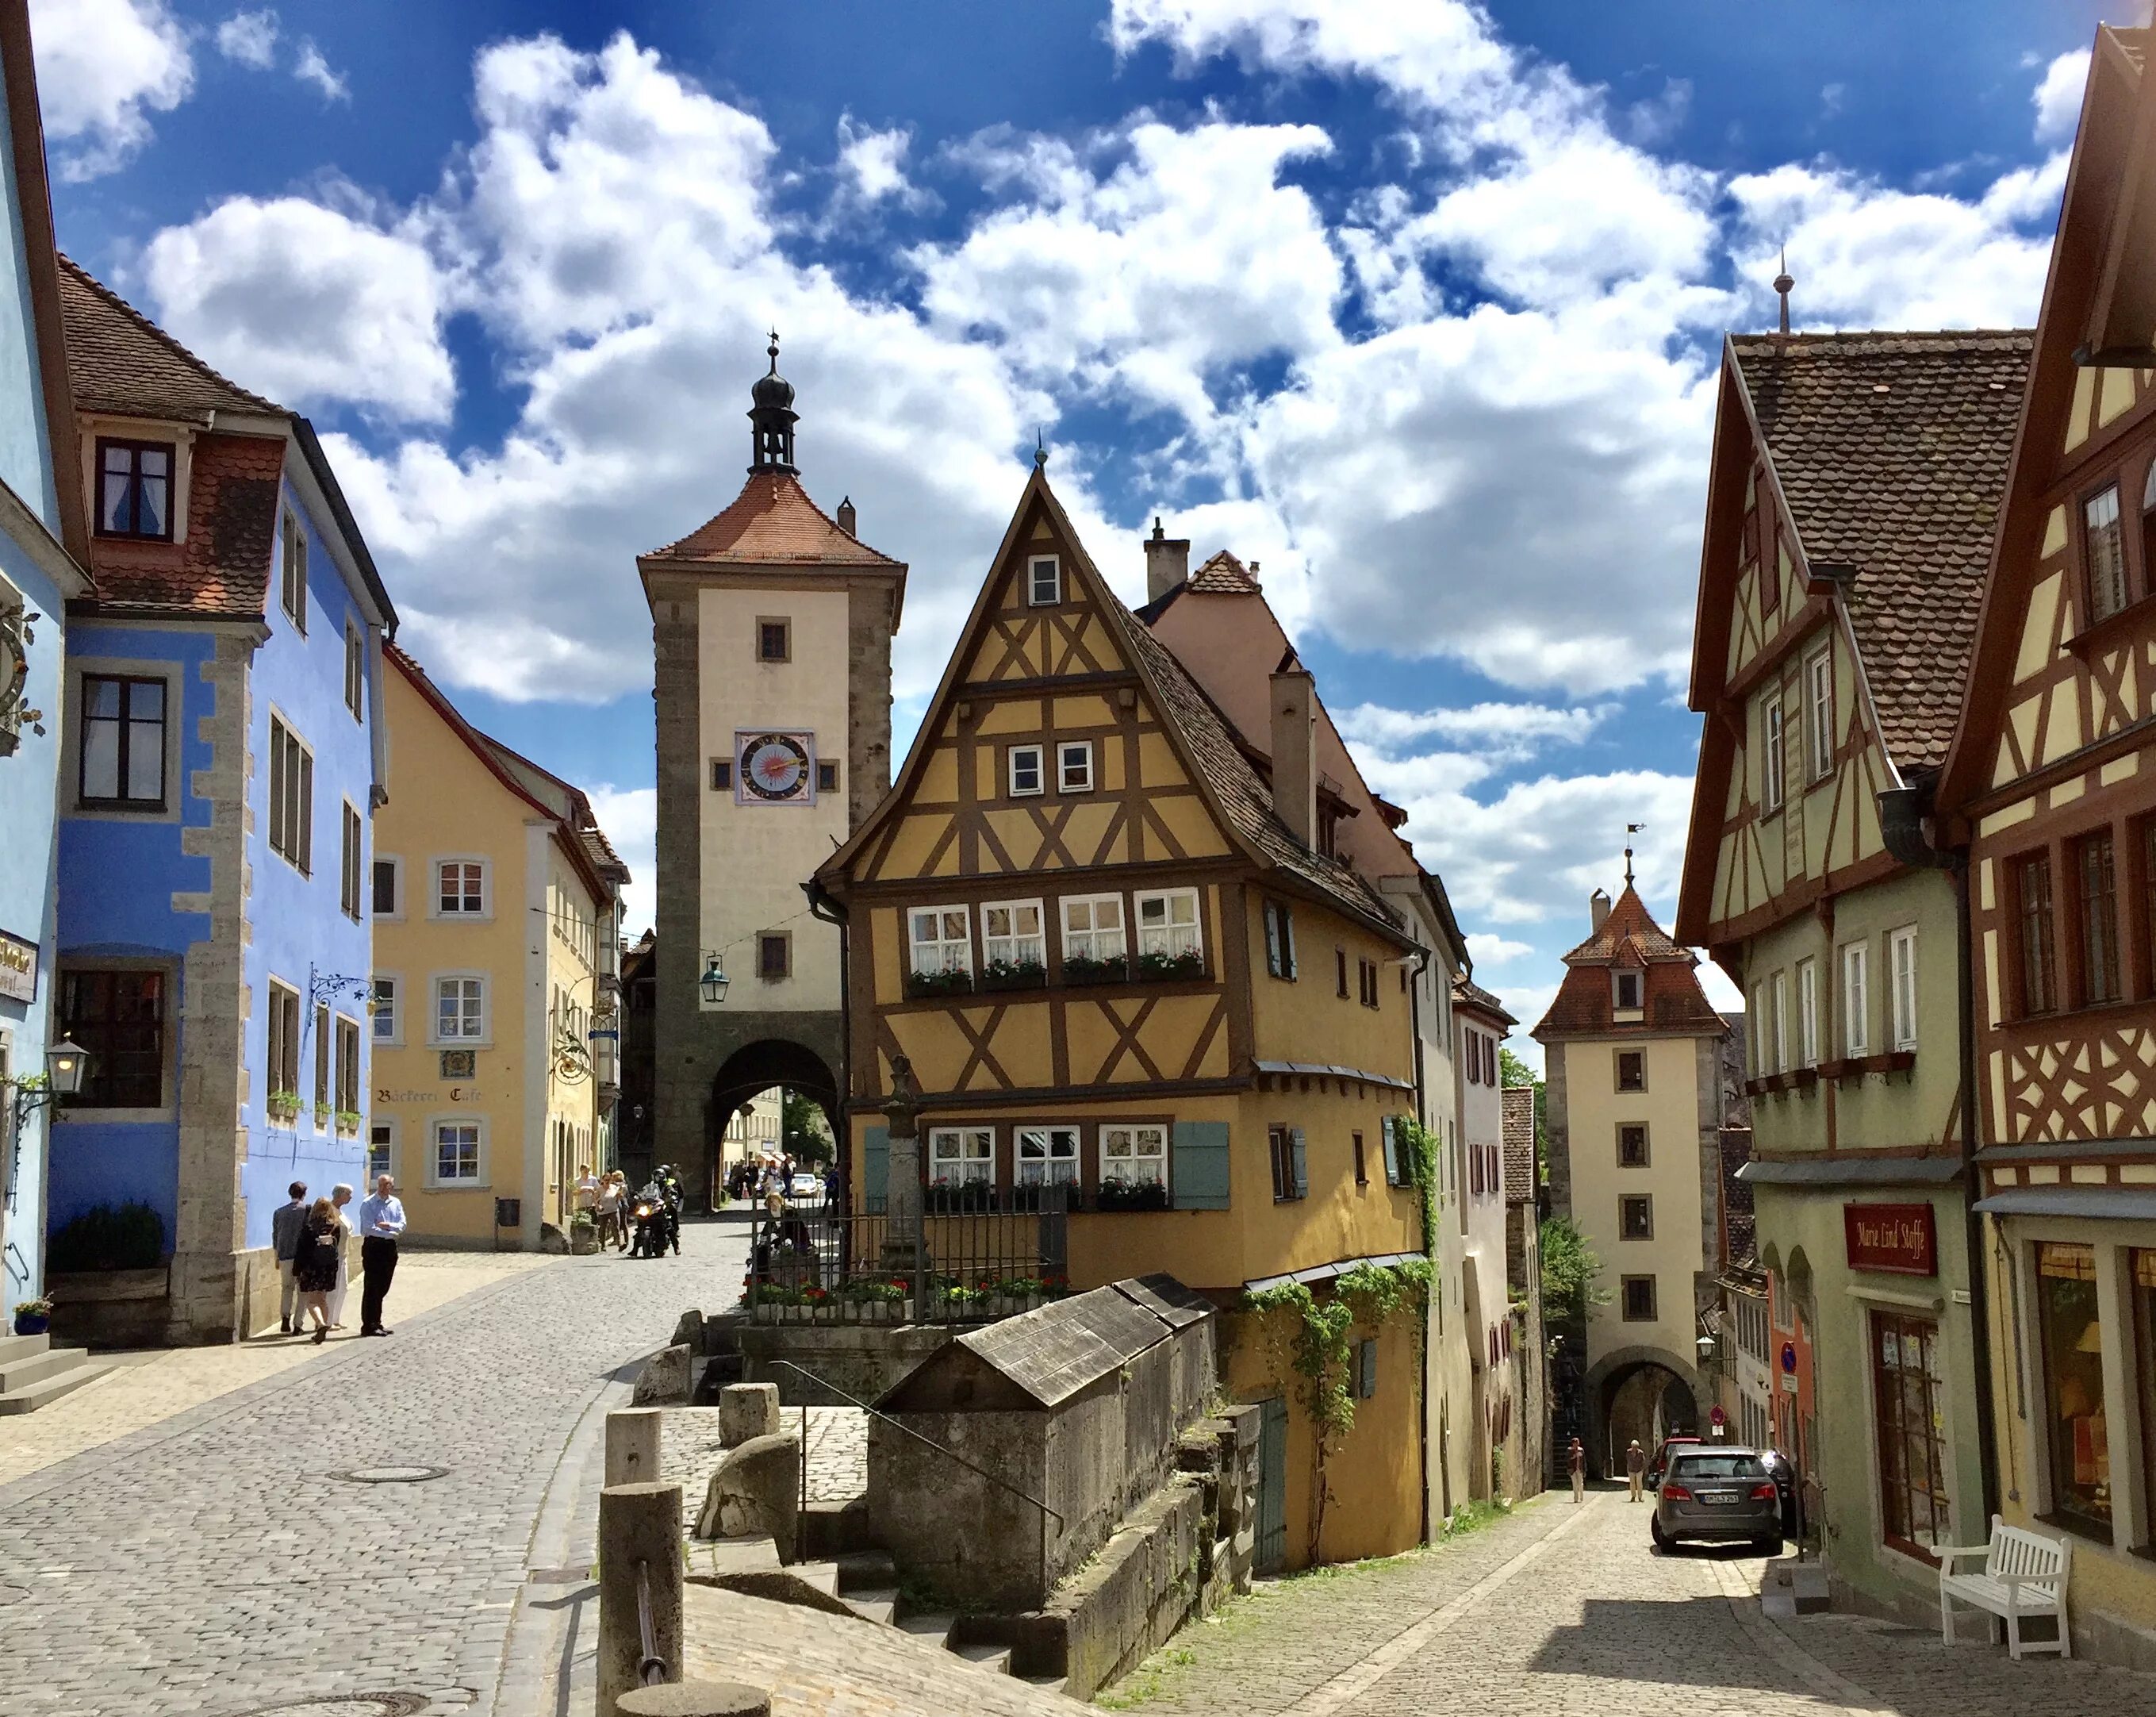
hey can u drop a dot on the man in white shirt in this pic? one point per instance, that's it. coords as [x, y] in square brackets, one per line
[381, 1220]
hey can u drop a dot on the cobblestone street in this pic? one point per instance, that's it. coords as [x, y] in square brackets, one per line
[210, 1561]
[1555, 1611]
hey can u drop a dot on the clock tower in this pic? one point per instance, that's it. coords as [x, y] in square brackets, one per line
[770, 629]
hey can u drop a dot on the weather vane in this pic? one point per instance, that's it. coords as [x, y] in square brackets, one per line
[1631, 829]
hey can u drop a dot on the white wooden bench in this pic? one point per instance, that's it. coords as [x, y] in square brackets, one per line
[2025, 1574]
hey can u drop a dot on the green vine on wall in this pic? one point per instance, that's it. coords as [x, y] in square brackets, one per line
[1420, 1143]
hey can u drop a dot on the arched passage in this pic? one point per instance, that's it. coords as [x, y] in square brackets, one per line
[1641, 1392]
[755, 1067]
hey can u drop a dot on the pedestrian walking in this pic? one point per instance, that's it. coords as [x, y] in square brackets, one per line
[285, 1222]
[314, 1262]
[339, 1197]
[1636, 1469]
[1576, 1458]
[381, 1220]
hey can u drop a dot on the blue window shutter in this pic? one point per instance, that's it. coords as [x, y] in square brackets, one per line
[875, 1168]
[1392, 1154]
[1200, 1170]
[1301, 1165]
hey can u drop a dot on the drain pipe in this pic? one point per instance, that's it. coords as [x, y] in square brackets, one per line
[1429, 1240]
[1903, 812]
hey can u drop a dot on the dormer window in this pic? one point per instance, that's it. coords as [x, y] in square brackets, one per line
[1044, 581]
[1628, 992]
[135, 490]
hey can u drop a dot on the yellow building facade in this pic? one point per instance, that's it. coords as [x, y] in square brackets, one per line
[496, 930]
[1119, 961]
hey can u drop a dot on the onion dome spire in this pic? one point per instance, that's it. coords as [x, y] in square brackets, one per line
[772, 418]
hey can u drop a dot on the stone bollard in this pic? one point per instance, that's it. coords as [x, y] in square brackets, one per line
[756, 1493]
[696, 1698]
[632, 1446]
[663, 1381]
[639, 1526]
[747, 1410]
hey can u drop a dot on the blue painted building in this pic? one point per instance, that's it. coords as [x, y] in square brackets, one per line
[217, 791]
[42, 547]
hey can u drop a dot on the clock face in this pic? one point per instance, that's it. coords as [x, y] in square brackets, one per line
[773, 767]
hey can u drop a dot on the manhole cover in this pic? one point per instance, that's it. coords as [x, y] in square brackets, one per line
[389, 1475]
[345, 1706]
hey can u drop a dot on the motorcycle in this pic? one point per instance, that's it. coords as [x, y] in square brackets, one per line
[649, 1220]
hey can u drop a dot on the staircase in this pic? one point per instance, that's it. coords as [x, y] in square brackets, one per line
[32, 1371]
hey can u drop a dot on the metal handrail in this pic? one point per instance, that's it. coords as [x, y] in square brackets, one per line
[978, 1471]
[653, 1667]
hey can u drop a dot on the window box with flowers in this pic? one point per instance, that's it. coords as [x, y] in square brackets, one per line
[1147, 1194]
[322, 1113]
[1078, 968]
[348, 1122]
[1171, 968]
[284, 1108]
[1013, 974]
[959, 1197]
[922, 986]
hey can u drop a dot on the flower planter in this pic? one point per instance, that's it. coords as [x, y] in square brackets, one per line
[1031, 976]
[33, 1323]
[1078, 973]
[921, 986]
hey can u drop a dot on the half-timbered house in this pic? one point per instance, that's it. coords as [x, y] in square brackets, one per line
[1853, 485]
[1121, 963]
[2051, 785]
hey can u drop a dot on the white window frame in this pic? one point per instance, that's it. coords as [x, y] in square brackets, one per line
[1052, 1137]
[394, 1011]
[386, 1125]
[1856, 998]
[1818, 710]
[1065, 751]
[1013, 939]
[1136, 1165]
[1033, 564]
[397, 885]
[464, 1040]
[1773, 758]
[961, 1156]
[1761, 1042]
[942, 942]
[1161, 938]
[1778, 995]
[1093, 932]
[1639, 991]
[1808, 1035]
[1902, 987]
[477, 1180]
[460, 915]
[1039, 755]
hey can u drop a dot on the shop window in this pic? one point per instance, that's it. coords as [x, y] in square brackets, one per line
[1909, 1443]
[2145, 1374]
[2075, 1434]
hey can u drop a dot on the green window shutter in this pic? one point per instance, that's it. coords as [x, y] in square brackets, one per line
[1302, 1164]
[875, 1168]
[1200, 1170]
[1392, 1153]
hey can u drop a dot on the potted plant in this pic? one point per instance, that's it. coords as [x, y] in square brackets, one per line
[322, 1113]
[1013, 974]
[1084, 968]
[954, 981]
[284, 1107]
[347, 1121]
[1167, 968]
[33, 1316]
[1147, 1194]
[583, 1232]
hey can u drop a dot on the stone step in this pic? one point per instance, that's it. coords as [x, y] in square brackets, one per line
[19, 1371]
[933, 1625]
[32, 1396]
[873, 1603]
[995, 1659]
[859, 1569]
[1048, 1684]
[823, 1576]
[733, 1555]
[22, 1347]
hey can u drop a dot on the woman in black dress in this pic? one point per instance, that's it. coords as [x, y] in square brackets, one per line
[315, 1263]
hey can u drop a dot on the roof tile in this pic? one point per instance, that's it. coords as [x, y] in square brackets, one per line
[773, 523]
[120, 361]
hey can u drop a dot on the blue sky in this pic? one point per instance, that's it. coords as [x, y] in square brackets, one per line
[1415, 303]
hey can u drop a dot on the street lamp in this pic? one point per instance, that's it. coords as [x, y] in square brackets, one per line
[65, 1063]
[714, 981]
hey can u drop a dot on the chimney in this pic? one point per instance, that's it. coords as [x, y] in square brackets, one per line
[1295, 750]
[846, 516]
[1598, 908]
[1168, 561]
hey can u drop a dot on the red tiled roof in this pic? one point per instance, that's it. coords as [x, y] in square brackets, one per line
[1629, 929]
[1223, 575]
[1517, 1104]
[1892, 450]
[1673, 1001]
[1467, 992]
[120, 361]
[773, 523]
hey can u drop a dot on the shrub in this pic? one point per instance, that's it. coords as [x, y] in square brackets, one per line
[129, 1237]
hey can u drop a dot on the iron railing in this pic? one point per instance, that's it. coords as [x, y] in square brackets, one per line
[958, 1266]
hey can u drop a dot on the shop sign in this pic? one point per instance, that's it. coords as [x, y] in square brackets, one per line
[1895, 1240]
[18, 968]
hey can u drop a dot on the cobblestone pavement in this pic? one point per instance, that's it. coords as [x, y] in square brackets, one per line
[146, 1387]
[1562, 1613]
[690, 1451]
[212, 1563]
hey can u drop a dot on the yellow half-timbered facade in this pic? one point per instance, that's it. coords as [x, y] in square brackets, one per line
[1105, 932]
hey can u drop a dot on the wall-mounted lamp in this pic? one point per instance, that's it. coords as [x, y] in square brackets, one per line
[714, 981]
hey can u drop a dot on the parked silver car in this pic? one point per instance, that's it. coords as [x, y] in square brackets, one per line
[1717, 1496]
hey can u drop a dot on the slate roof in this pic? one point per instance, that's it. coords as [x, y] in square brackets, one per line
[1224, 575]
[1517, 1104]
[773, 523]
[121, 361]
[1467, 992]
[1892, 450]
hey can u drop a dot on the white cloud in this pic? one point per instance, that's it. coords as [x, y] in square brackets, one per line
[307, 305]
[872, 164]
[1518, 728]
[249, 38]
[1485, 949]
[311, 68]
[2058, 97]
[103, 66]
[629, 816]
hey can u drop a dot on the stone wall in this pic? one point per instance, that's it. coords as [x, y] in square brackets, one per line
[866, 1361]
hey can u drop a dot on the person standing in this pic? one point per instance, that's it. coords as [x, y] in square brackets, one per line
[1576, 1458]
[610, 1208]
[1636, 1469]
[285, 1222]
[381, 1220]
[587, 1192]
[339, 1197]
[314, 1262]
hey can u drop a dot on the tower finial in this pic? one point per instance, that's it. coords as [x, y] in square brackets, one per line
[1631, 829]
[1039, 451]
[1782, 284]
[772, 418]
[774, 350]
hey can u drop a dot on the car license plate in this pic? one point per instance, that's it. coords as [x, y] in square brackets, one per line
[1719, 1498]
